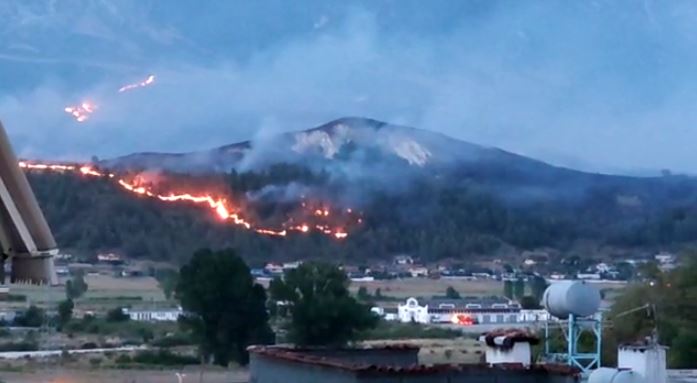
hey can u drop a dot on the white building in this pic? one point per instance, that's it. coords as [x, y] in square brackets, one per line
[533, 316]
[403, 260]
[588, 276]
[418, 271]
[412, 312]
[466, 310]
[154, 315]
[508, 346]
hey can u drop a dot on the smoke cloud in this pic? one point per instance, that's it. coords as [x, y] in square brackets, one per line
[602, 85]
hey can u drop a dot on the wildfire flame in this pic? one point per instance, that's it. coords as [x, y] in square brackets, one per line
[146, 82]
[82, 112]
[222, 209]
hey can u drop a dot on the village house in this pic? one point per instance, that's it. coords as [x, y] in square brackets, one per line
[154, 315]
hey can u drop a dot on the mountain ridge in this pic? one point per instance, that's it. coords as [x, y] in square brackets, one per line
[415, 146]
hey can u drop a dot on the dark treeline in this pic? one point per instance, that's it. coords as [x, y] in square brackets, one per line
[441, 214]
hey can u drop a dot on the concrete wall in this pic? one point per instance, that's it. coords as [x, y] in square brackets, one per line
[521, 352]
[649, 362]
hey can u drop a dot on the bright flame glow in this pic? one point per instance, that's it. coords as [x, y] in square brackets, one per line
[462, 319]
[82, 112]
[146, 82]
[219, 206]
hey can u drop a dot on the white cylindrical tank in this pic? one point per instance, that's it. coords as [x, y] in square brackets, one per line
[571, 297]
[613, 375]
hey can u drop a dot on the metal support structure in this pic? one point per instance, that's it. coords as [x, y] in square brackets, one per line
[573, 329]
[25, 238]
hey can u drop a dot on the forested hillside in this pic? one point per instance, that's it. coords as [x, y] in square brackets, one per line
[459, 212]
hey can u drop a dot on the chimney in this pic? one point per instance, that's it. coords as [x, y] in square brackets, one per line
[647, 360]
[509, 346]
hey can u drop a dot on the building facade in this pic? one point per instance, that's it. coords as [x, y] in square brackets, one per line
[491, 310]
[154, 315]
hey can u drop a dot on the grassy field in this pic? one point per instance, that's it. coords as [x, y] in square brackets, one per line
[102, 289]
[76, 375]
[425, 287]
[104, 293]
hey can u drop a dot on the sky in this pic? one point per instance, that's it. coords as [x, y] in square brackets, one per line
[604, 85]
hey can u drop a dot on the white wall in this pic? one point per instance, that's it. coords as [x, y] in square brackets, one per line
[649, 362]
[160, 316]
[412, 312]
[519, 353]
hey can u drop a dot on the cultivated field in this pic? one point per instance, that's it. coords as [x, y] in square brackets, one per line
[104, 293]
[425, 287]
[102, 288]
[72, 375]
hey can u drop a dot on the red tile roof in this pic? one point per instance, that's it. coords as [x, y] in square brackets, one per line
[302, 356]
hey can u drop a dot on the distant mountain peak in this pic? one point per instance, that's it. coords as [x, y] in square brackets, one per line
[329, 139]
[362, 141]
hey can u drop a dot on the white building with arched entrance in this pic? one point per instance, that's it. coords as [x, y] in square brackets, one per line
[412, 312]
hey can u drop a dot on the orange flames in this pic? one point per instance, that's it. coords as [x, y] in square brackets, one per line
[146, 82]
[82, 112]
[222, 208]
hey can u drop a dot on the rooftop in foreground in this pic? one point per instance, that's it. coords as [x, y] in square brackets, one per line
[272, 364]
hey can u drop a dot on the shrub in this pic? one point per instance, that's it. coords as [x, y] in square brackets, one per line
[19, 346]
[89, 346]
[32, 317]
[164, 358]
[16, 298]
[95, 362]
[123, 359]
[178, 339]
[117, 315]
[394, 330]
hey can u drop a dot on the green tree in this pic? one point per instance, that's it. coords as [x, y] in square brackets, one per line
[322, 312]
[76, 287]
[167, 279]
[65, 312]
[649, 270]
[117, 315]
[682, 353]
[451, 293]
[378, 293]
[363, 294]
[529, 303]
[225, 309]
[669, 307]
[519, 289]
[508, 289]
[538, 285]
[33, 317]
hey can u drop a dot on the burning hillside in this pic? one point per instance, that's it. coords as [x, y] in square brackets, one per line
[437, 198]
[306, 218]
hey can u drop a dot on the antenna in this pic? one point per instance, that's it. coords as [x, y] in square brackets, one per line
[651, 312]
